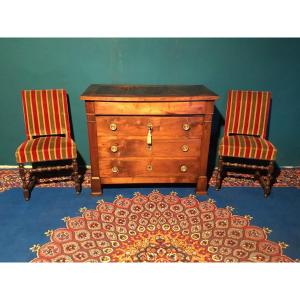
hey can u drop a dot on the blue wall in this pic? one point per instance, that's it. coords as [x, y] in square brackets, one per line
[221, 64]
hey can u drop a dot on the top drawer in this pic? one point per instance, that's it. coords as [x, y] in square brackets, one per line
[153, 108]
[174, 127]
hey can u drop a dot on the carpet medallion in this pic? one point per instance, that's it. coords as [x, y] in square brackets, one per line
[159, 228]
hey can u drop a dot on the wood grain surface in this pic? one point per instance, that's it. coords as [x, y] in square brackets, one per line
[149, 134]
[162, 126]
[132, 93]
[138, 167]
[137, 147]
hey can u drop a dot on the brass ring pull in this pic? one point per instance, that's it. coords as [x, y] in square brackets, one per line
[114, 149]
[113, 126]
[115, 169]
[183, 168]
[185, 148]
[186, 126]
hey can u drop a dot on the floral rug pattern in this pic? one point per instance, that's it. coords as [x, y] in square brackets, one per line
[159, 228]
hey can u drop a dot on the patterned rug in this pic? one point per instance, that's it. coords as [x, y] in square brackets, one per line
[288, 177]
[159, 228]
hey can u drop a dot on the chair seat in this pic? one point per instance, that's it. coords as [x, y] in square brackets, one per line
[46, 149]
[244, 146]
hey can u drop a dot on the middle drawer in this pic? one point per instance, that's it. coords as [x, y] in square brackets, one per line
[114, 147]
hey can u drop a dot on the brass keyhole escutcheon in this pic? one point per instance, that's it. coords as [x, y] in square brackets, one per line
[185, 148]
[113, 126]
[114, 148]
[183, 168]
[186, 126]
[115, 169]
[149, 168]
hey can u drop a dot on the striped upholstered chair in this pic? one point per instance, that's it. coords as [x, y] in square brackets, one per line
[244, 138]
[48, 136]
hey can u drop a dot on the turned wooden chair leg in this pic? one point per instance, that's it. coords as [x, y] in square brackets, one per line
[75, 176]
[25, 177]
[219, 173]
[269, 178]
[266, 181]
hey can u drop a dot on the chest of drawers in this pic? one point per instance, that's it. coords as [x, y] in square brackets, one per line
[148, 134]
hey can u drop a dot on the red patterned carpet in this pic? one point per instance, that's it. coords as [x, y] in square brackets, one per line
[288, 177]
[159, 228]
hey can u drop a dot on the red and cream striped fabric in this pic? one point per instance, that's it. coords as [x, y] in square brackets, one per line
[247, 113]
[45, 149]
[244, 146]
[46, 117]
[45, 112]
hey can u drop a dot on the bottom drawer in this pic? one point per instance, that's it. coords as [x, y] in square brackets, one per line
[147, 167]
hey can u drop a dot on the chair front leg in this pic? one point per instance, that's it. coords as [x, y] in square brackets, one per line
[25, 177]
[269, 178]
[76, 176]
[219, 174]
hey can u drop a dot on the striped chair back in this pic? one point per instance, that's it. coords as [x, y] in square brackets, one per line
[46, 112]
[247, 113]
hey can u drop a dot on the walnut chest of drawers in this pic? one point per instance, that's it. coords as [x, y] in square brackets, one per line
[148, 134]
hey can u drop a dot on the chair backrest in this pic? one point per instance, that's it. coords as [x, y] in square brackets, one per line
[247, 113]
[46, 112]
